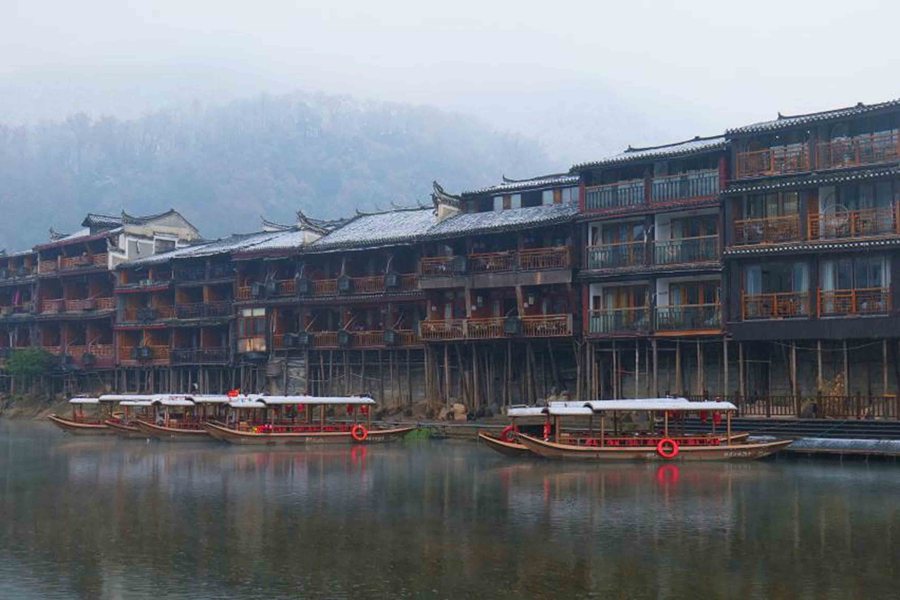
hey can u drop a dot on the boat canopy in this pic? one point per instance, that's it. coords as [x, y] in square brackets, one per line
[246, 403]
[526, 411]
[173, 400]
[126, 397]
[674, 404]
[568, 409]
[84, 400]
[135, 403]
[316, 400]
[209, 398]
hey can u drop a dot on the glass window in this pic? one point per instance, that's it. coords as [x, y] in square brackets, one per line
[547, 197]
[498, 203]
[515, 201]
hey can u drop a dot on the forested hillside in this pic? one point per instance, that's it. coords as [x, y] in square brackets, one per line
[224, 166]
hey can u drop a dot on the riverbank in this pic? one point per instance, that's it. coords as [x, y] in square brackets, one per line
[32, 406]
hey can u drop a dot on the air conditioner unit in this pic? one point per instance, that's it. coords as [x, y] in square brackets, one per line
[391, 280]
[344, 338]
[344, 284]
[142, 353]
[512, 326]
[258, 290]
[271, 288]
[304, 286]
[391, 337]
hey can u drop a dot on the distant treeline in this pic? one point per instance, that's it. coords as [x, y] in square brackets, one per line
[224, 166]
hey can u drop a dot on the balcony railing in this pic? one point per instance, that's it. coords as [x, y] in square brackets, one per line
[85, 304]
[55, 305]
[868, 149]
[68, 263]
[686, 250]
[536, 259]
[492, 262]
[530, 259]
[696, 317]
[781, 305]
[157, 354]
[866, 222]
[277, 288]
[147, 314]
[497, 327]
[203, 310]
[182, 356]
[777, 160]
[615, 195]
[615, 256]
[634, 319]
[685, 186]
[769, 230]
[851, 302]
[103, 355]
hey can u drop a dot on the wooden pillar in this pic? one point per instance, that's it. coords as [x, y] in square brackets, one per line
[678, 385]
[700, 387]
[655, 367]
[794, 383]
[728, 428]
[846, 371]
[725, 392]
[741, 383]
[819, 384]
[446, 376]
[637, 369]
[884, 367]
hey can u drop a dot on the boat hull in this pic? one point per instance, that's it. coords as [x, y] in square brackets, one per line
[505, 448]
[160, 432]
[744, 451]
[76, 428]
[226, 434]
[128, 431]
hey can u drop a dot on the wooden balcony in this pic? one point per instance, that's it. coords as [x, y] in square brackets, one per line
[850, 224]
[269, 290]
[769, 230]
[159, 355]
[203, 310]
[860, 150]
[781, 305]
[854, 302]
[635, 319]
[538, 259]
[623, 194]
[88, 304]
[694, 185]
[95, 355]
[70, 263]
[198, 356]
[370, 284]
[617, 256]
[686, 250]
[492, 262]
[48, 266]
[510, 261]
[689, 317]
[143, 314]
[532, 326]
[55, 305]
[361, 340]
[777, 160]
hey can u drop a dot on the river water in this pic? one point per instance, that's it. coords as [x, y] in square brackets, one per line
[107, 518]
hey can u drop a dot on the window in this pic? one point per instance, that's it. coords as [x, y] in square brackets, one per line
[498, 203]
[864, 272]
[693, 293]
[762, 206]
[776, 278]
[251, 330]
[691, 227]
[617, 233]
[163, 245]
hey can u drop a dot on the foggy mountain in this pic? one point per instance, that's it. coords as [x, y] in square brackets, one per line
[225, 166]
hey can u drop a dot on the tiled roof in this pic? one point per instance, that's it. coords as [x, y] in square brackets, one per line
[784, 121]
[812, 179]
[94, 220]
[520, 218]
[513, 185]
[693, 146]
[232, 243]
[404, 225]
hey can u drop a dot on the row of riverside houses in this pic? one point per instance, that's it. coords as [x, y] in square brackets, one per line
[756, 265]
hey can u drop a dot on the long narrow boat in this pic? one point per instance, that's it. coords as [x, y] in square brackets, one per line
[178, 417]
[135, 407]
[508, 444]
[657, 446]
[284, 420]
[79, 423]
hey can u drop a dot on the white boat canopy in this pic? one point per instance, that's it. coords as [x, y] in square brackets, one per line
[526, 411]
[315, 400]
[84, 400]
[125, 397]
[673, 404]
[171, 400]
[246, 403]
[569, 409]
[135, 403]
[209, 398]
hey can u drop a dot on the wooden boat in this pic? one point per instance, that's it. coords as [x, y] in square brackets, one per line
[648, 445]
[506, 442]
[134, 408]
[281, 422]
[180, 417]
[81, 424]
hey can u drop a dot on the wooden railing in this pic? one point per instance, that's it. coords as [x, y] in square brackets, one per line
[48, 266]
[686, 250]
[685, 186]
[203, 310]
[104, 354]
[484, 329]
[818, 406]
[615, 195]
[867, 149]
[547, 325]
[54, 305]
[775, 305]
[244, 292]
[694, 317]
[849, 302]
[492, 262]
[535, 259]
[620, 320]
[777, 160]
[448, 329]
[324, 287]
[147, 314]
[768, 230]
[158, 354]
[90, 304]
[436, 265]
[866, 222]
[618, 255]
[182, 356]
[285, 287]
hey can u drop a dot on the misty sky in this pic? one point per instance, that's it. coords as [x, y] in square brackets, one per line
[585, 78]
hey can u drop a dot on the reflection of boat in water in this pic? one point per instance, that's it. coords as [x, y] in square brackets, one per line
[82, 424]
[509, 444]
[647, 445]
[286, 420]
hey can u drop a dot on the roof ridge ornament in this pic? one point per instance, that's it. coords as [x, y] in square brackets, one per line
[445, 205]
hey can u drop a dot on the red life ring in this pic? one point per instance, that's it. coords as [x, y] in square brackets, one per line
[359, 433]
[509, 434]
[667, 448]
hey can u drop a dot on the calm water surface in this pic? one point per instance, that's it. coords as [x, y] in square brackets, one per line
[98, 518]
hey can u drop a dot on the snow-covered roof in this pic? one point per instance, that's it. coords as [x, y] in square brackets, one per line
[519, 218]
[696, 145]
[379, 229]
[536, 183]
[233, 243]
[787, 121]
